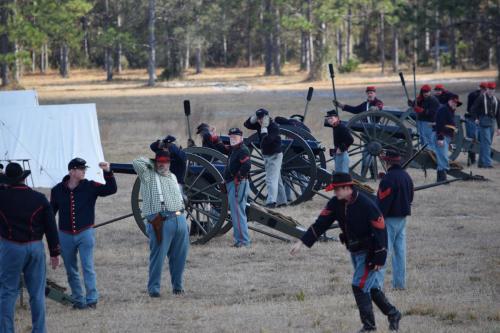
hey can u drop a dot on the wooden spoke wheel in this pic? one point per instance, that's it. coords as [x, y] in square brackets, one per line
[374, 131]
[409, 120]
[216, 158]
[206, 205]
[298, 169]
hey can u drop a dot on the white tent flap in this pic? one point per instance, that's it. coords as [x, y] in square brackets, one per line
[18, 98]
[49, 136]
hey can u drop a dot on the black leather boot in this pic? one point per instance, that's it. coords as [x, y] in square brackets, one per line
[364, 302]
[441, 175]
[393, 315]
[472, 158]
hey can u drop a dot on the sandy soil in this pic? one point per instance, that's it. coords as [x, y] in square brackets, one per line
[453, 245]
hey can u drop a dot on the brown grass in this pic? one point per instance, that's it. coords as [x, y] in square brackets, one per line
[453, 244]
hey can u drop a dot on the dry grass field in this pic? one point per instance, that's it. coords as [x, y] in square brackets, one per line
[453, 234]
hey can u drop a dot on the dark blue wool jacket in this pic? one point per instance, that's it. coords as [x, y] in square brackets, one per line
[270, 143]
[363, 106]
[25, 216]
[445, 122]
[77, 207]
[360, 221]
[238, 163]
[395, 193]
[342, 137]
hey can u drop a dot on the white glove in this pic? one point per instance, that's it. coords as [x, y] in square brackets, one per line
[263, 130]
[266, 121]
[253, 119]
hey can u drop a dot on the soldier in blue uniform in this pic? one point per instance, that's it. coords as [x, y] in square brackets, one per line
[365, 236]
[25, 217]
[486, 110]
[342, 139]
[443, 133]
[394, 199]
[236, 178]
[471, 129]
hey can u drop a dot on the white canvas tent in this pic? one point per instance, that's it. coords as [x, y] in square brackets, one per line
[50, 136]
[18, 98]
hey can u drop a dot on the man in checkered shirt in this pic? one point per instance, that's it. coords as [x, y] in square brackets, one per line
[161, 195]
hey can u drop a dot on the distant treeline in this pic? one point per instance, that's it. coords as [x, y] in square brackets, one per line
[178, 34]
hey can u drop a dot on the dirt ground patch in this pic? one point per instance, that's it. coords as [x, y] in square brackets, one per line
[453, 244]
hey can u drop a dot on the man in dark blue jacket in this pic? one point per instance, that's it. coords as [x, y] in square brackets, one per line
[25, 217]
[236, 178]
[270, 145]
[342, 140]
[371, 103]
[486, 111]
[365, 236]
[394, 198]
[471, 129]
[425, 107]
[444, 131]
[74, 198]
[210, 139]
[178, 158]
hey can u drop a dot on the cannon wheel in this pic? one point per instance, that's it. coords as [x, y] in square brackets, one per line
[374, 131]
[206, 207]
[455, 145]
[298, 169]
[213, 155]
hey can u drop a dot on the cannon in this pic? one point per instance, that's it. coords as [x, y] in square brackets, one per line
[206, 205]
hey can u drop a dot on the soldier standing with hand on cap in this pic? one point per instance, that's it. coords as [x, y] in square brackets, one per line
[394, 199]
[163, 207]
[177, 157]
[74, 198]
[25, 216]
[486, 110]
[270, 144]
[236, 178]
[444, 130]
[365, 236]
[342, 139]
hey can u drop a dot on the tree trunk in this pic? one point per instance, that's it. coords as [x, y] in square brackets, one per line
[42, 60]
[46, 58]
[63, 60]
[303, 50]
[17, 63]
[119, 48]
[4, 47]
[437, 60]
[33, 61]
[249, 34]
[187, 55]
[277, 42]
[340, 60]
[85, 37]
[108, 54]
[453, 43]
[224, 49]
[268, 27]
[348, 46]
[382, 43]
[317, 68]
[151, 43]
[198, 59]
[309, 38]
[395, 49]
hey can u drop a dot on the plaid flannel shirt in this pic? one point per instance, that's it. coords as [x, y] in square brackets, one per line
[151, 203]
